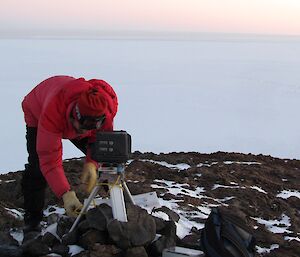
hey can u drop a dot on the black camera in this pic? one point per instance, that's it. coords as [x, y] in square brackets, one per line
[111, 147]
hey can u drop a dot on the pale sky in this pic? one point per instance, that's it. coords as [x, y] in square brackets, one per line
[232, 16]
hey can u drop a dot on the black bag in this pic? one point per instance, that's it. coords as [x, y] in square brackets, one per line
[226, 236]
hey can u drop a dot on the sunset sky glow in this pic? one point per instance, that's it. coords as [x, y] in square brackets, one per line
[232, 16]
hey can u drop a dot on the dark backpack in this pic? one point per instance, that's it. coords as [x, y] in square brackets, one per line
[226, 236]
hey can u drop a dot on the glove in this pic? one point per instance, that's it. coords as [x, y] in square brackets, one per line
[71, 204]
[89, 176]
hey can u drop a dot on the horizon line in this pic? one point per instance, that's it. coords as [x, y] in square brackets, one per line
[137, 34]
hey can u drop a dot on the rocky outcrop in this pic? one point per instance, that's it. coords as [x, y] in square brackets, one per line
[101, 235]
[259, 189]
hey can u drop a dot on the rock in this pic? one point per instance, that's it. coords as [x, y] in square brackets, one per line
[160, 224]
[99, 216]
[35, 247]
[168, 239]
[83, 226]
[142, 235]
[171, 214]
[136, 252]
[49, 239]
[7, 239]
[91, 237]
[140, 229]
[190, 241]
[294, 201]
[30, 236]
[118, 234]
[60, 249]
[105, 251]
[10, 251]
[271, 174]
[51, 209]
[53, 218]
[64, 225]
[169, 229]
[70, 238]
[157, 247]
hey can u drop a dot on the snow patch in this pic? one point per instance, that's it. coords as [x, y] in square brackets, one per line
[54, 209]
[262, 250]
[129, 161]
[225, 199]
[160, 214]
[224, 186]
[204, 210]
[135, 181]
[242, 163]
[180, 166]
[177, 188]
[234, 185]
[17, 234]
[285, 194]
[9, 181]
[290, 238]
[259, 189]
[206, 164]
[75, 249]
[17, 214]
[276, 226]
[184, 225]
[52, 229]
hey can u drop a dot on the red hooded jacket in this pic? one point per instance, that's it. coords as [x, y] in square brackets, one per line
[48, 108]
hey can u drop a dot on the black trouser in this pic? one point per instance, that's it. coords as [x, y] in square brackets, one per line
[33, 182]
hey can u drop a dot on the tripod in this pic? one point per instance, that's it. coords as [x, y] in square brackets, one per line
[114, 174]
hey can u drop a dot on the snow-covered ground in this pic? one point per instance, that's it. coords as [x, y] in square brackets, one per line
[230, 94]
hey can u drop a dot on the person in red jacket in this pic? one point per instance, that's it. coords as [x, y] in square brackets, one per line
[62, 107]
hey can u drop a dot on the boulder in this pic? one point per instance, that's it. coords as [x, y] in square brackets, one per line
[7, 239]
[70, 238]
[105, 251]
[91, 237]
[60, 249]
[64, 225]
[99, 216]
[140, 230]
[167, 239]
[171, 214]
[49, 239]
[10, 251]
[136, 252]
[35, 247]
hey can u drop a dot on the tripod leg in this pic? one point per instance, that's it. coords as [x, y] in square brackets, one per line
[85, 206]
[127, 192]
[117, 203]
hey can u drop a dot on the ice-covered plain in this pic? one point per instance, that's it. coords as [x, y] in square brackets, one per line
[227, 94]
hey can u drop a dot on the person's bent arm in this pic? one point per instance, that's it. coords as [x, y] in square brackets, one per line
[49, 149]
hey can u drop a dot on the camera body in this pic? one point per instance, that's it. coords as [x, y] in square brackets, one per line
[112, 147]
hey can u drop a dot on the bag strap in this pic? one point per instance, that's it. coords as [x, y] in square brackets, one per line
[236, 221]
[228, 232]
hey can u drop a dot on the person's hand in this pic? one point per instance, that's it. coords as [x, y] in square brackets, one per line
[89, 176]
[71, 204]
